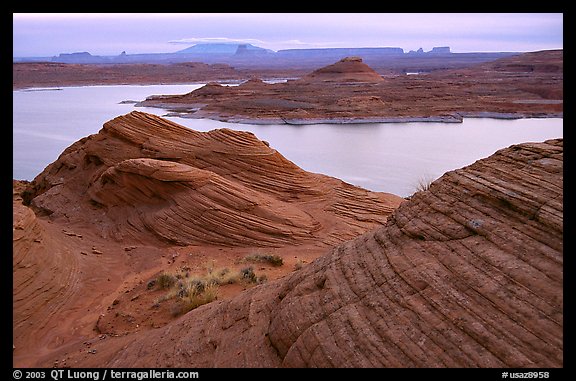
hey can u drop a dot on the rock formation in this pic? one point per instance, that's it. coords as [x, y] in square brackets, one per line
[349, 91]
[146, 195]
[145, 176]
[349, 69]
[54, 74]
[466, 274]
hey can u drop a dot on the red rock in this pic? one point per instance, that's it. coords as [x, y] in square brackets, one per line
[143, 176]
[466, 274]
[349, 69]
[526, 85]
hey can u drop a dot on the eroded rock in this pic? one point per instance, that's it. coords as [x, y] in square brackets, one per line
[465, 274]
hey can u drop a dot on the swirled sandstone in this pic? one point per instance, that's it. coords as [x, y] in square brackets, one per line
[145, 178]
[466, 274]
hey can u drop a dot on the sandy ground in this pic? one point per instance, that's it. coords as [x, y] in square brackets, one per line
[106, 284]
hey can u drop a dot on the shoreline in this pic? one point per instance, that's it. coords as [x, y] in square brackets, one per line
[195, 111]
[454, 118]
[61, 87]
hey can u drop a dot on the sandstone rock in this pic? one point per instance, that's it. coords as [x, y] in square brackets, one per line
[143, 176]
[525, 85]
[465, 274]
[348, 69]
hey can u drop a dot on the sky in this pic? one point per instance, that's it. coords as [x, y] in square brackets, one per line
[49, 34]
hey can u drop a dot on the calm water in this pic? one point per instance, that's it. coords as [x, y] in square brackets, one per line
[388, 157]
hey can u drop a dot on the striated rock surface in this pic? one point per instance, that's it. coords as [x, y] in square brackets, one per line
[466, 274]
[146, 196]
[58, 279]
[349, 91]
[143, 176]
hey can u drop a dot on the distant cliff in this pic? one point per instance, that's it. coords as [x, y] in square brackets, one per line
[243, 56]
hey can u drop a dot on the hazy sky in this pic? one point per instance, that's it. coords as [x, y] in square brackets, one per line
[48, 34]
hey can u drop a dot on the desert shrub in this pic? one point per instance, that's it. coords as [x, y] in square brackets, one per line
[196, 287]
[198, 298]
[191, 291]
[274, 260]
[423, 184]
[298, 265]
[165, 280]
[248, 274]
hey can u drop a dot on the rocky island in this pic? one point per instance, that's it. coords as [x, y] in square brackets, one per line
[152, 245]
[349, 91]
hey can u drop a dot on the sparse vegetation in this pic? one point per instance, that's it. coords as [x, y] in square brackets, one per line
[424, 183]
[298, 265]
[197, 293]
[165, 280]
[191, 291]
[274, 260]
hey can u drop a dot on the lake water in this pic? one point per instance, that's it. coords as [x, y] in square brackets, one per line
[387, 157]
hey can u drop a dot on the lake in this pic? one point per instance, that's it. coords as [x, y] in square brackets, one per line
[387, 157]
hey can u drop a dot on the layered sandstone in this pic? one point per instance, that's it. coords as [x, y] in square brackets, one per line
[349, 91]
[466, 274]
[146, 196]
[143, 176]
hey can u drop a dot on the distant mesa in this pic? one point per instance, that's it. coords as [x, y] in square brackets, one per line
[435, 51]
[250, 50]
[441, 50]
[330, 53]
[223, 48]
[78, 57]
[229, 51]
